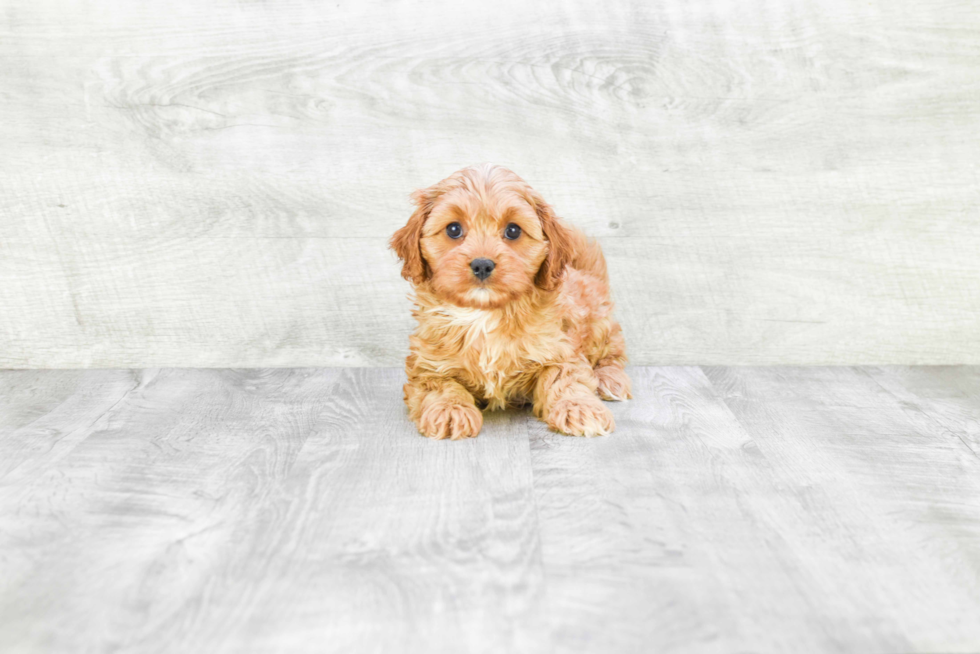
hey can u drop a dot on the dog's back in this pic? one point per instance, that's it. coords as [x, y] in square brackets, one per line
[588, 255]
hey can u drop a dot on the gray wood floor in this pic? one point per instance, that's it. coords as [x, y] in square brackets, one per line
[297, 510]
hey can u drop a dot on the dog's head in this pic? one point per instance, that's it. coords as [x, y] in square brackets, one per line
[482, 237]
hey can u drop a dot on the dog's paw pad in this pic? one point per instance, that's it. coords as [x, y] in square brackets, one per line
[585, 416]
[614, 383]
[453, 421]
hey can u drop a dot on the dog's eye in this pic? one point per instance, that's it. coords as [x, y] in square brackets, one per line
[512, 231]
[454, 230]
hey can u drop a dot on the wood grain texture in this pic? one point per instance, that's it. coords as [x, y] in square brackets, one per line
[262, 510]
[947, 395]
[734, 509]
[212, 184]
[906, 546]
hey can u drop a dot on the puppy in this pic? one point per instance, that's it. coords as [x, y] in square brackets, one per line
[512, 306]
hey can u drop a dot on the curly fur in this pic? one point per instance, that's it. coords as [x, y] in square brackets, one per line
[539, 330]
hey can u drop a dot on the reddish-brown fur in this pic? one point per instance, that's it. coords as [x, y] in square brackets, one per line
[539, 330]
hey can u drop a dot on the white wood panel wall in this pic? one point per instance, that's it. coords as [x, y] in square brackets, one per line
[213, 183]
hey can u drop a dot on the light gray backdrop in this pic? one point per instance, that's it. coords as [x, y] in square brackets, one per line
[213, 183]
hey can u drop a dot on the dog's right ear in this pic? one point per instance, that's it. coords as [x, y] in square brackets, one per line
[406, 242]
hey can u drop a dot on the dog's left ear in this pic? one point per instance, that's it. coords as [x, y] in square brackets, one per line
[406, 242]
[560, 244]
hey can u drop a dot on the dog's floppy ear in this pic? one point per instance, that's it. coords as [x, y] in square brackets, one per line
[406, 241]
[560, 245]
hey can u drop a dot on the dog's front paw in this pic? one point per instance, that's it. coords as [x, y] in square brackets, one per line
[581, 416]
[453, 421]
[614, 383]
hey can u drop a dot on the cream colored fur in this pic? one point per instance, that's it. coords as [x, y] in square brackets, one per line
[537, 331]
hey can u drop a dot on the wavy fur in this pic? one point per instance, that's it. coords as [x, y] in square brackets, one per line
[539, 330]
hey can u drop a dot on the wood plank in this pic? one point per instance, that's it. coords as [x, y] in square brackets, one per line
[258, 510]
[680, 533]
[281, 301]
[397, 542]
[189, 184]
[886, 543]
[44, 415]
[127, 532]
[622, 519]
[948, 395]
[734, 509]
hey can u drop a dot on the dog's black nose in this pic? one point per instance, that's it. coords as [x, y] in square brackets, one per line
[482, 268]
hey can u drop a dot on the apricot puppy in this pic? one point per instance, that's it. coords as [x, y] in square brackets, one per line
[512, 307]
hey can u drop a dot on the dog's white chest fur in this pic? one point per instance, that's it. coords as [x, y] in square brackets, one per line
[480, 320]
[497, 354]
